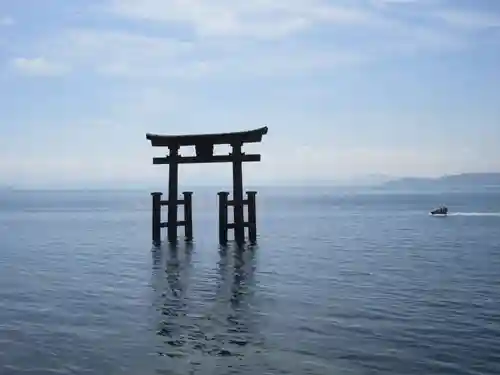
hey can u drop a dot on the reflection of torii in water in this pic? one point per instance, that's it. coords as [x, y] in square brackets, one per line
[232, 288]
[175, 272]
[235, 291]
[171, 299]
[217, 324]
[176, 269]
[242, 275]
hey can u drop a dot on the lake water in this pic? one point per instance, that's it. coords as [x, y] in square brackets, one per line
[363, 283]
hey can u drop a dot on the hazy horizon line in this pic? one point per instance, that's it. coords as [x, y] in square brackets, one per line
[363, 181]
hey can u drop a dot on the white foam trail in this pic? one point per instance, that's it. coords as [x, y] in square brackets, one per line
[497, 214]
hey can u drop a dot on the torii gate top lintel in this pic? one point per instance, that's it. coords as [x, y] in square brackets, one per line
[248, 136]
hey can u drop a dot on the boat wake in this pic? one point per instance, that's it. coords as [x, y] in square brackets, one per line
[496, 214]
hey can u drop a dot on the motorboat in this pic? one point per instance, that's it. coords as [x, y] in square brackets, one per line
[440, 211]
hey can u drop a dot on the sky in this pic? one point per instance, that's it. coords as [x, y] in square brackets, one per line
[347, 88]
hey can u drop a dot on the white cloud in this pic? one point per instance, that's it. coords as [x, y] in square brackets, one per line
[195, 38]
[469, 19]
[389, 3]
[122, 53]
[257, 18]
[38, 66]
[447, 11]
[6, 21]
[109, 52]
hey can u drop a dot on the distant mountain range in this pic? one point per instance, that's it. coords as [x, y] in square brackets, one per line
[381, 181]
[457, 181]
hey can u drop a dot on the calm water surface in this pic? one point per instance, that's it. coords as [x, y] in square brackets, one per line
[338, 284]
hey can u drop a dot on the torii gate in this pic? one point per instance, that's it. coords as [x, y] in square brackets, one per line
[204, 145]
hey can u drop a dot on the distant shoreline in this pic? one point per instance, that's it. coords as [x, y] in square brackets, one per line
[458, 182]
